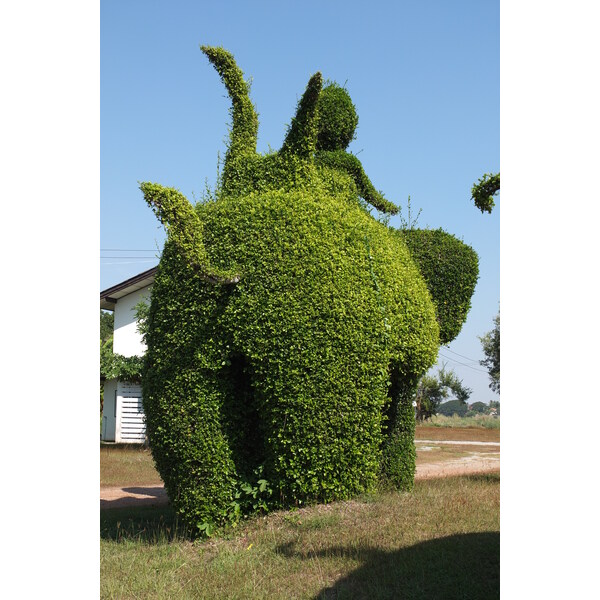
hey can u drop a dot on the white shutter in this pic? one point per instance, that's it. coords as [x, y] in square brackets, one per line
[131, 419]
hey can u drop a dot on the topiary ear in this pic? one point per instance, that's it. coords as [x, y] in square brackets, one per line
[301, 138]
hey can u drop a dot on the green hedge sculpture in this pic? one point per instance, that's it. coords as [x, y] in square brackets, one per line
[288, 328]
[450, 269]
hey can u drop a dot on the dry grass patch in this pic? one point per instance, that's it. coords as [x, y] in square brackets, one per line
[438, 454]
[126, 465]
[440, 541]
[462, 434]
[428, 453]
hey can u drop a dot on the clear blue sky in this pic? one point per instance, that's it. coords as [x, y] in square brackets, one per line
[423, 76]
[425, 84]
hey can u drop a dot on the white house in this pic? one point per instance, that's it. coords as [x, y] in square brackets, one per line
[123, 415]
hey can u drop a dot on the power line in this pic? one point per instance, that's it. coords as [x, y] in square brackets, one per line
[129, 263]
[462, 355]
[463, 364]
[127, 250]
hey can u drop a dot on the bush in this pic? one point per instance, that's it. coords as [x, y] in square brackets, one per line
[451, 270]
[286, 333]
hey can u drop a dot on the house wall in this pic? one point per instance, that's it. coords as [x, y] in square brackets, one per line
[127, 341]
[123, 418]
[108, 411]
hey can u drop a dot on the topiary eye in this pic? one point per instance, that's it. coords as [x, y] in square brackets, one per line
[337, 118]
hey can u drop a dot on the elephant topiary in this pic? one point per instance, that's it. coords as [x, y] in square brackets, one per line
[287, 328]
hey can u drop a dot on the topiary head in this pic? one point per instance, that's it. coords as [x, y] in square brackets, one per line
[337, 118]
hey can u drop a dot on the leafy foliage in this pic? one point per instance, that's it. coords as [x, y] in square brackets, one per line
[337, 121]
[117, 366]
[450, 269]
[483, 192]
[287, 329]
[341, 161]
[491, 348]
[337, 118]
[434, 389]
[107, 324]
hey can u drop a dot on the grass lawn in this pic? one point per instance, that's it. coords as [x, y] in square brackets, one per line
[127, 465]
[440, 541]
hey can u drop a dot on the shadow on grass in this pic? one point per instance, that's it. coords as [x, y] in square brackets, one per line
[465, 566]
[142, 524]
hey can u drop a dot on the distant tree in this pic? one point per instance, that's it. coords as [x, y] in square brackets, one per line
[491, 348]
[483, 192]
[107, 323]
[495, 404]
[478, 408]
[434, 389]
[453, 407]
[430, 394]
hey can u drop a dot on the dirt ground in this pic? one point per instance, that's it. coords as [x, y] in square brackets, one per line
[120, 497]
[470, 457]
[429, 432]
